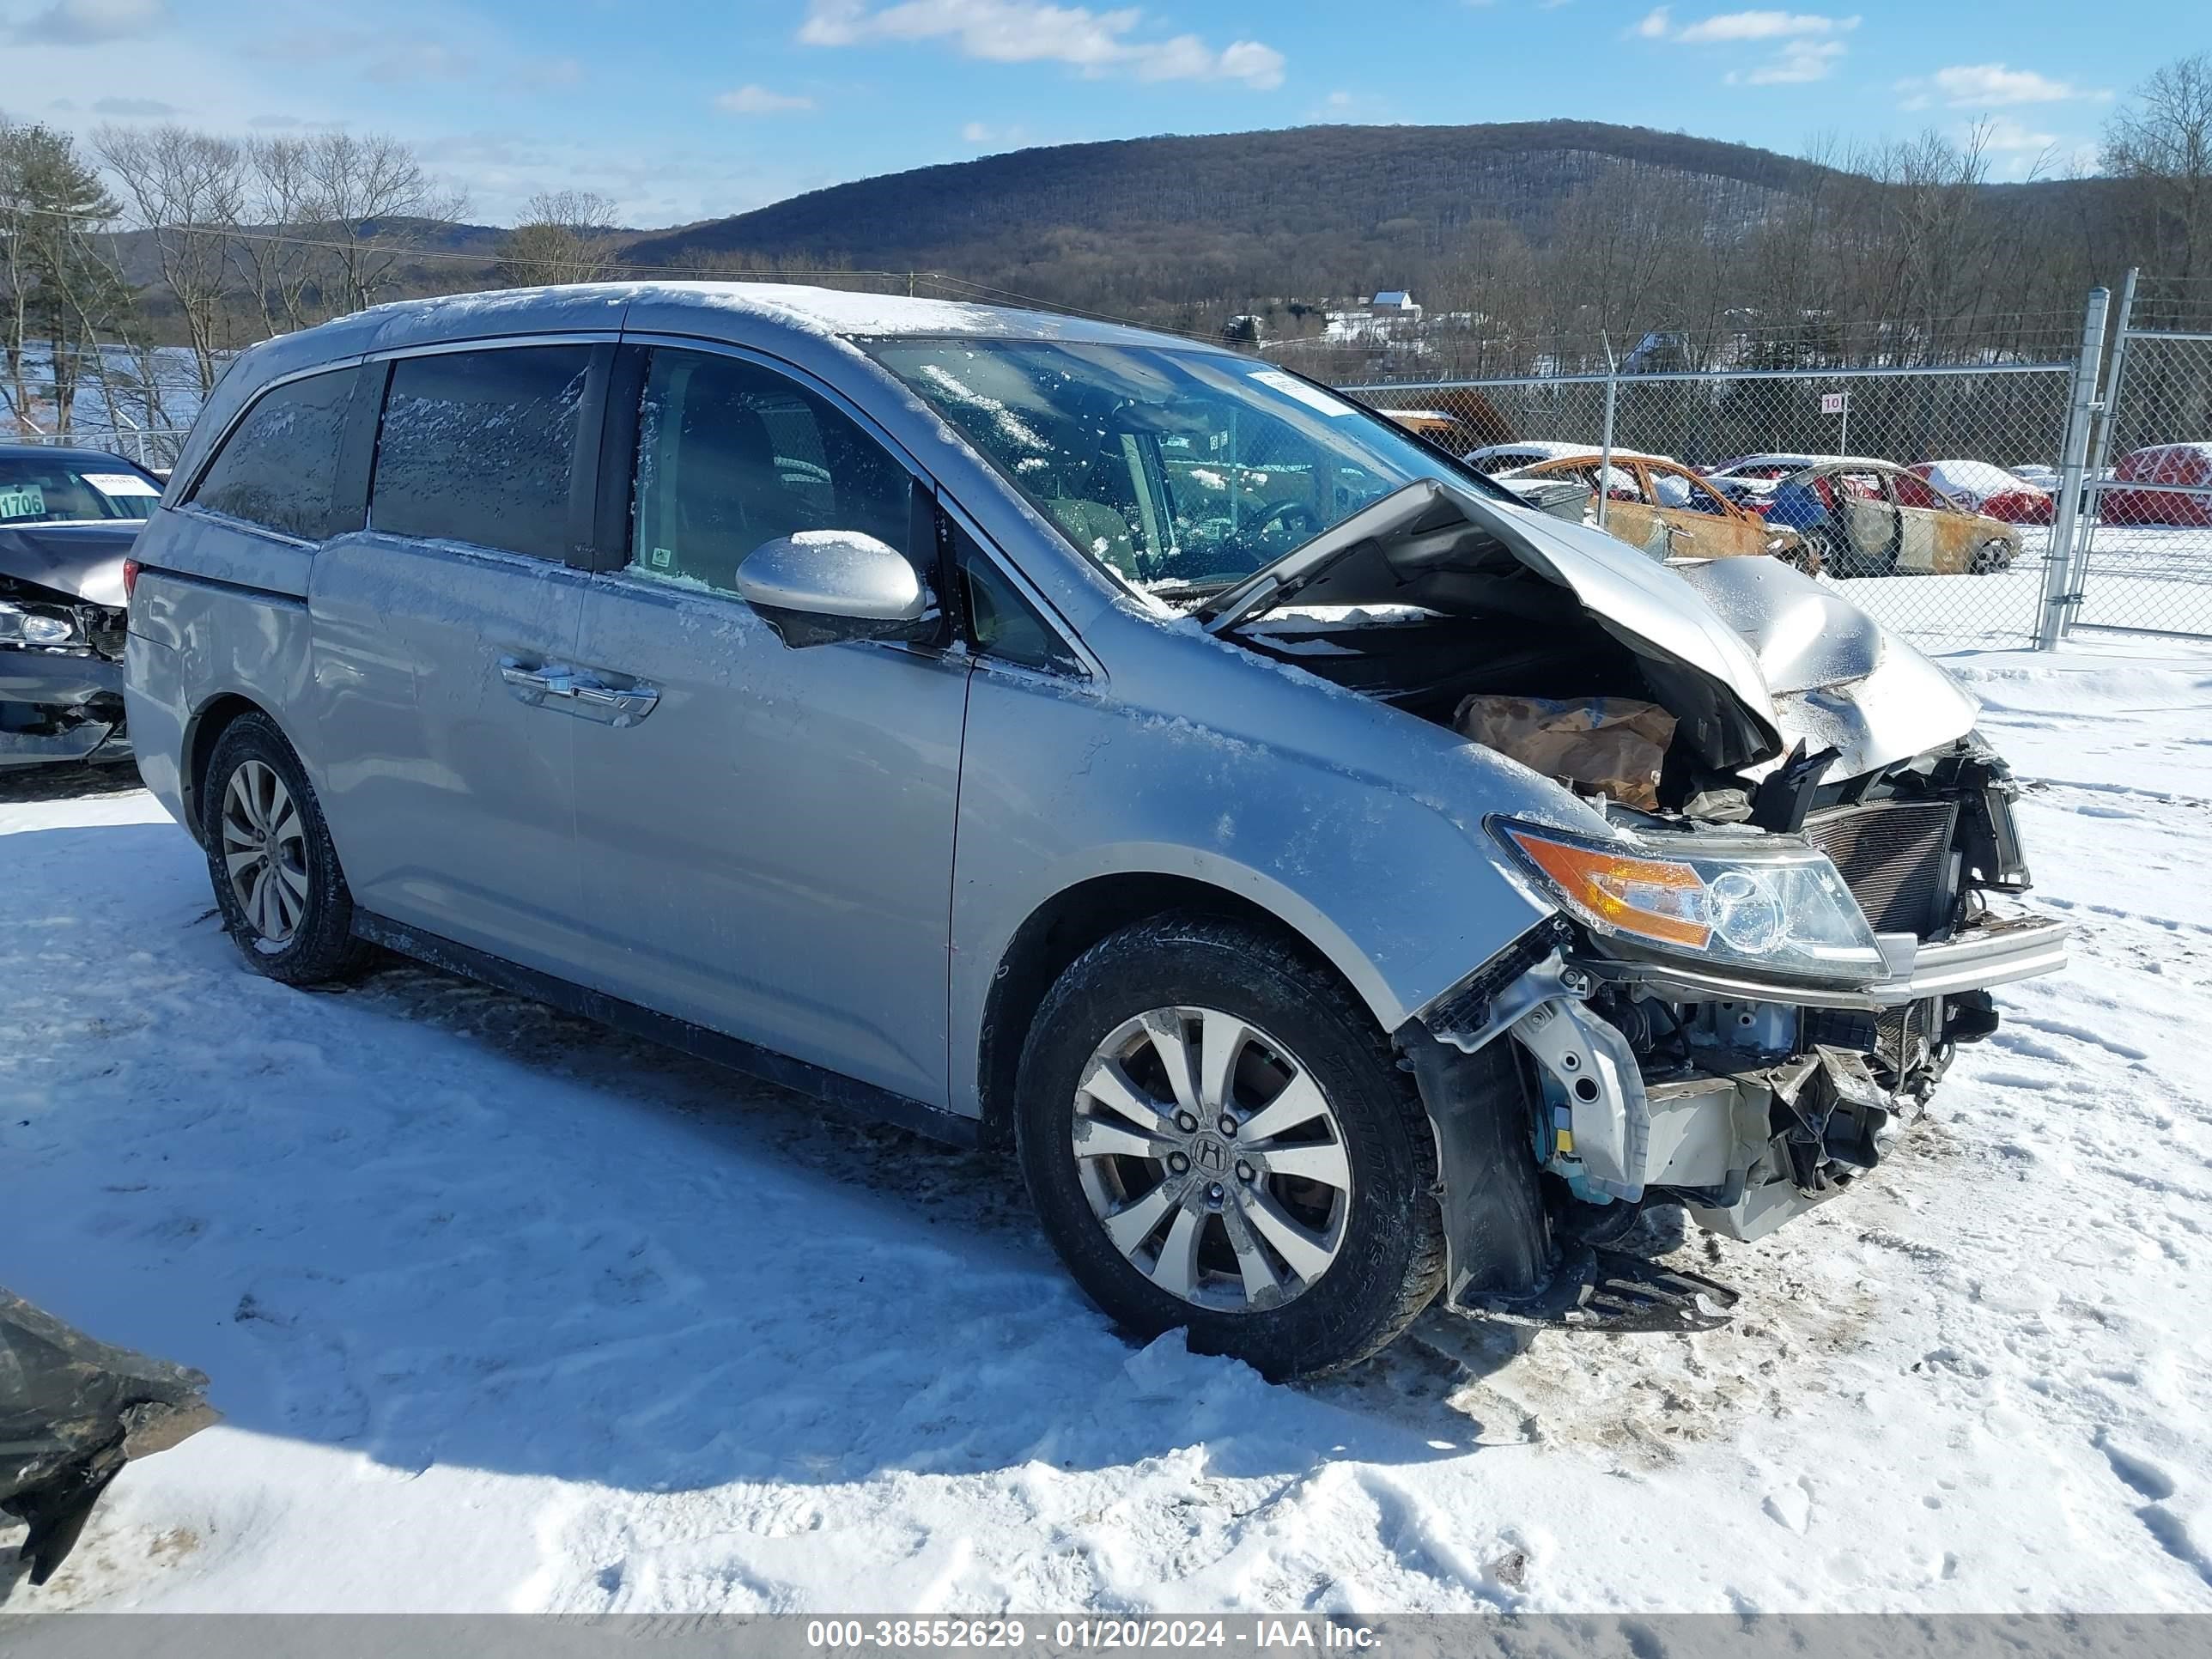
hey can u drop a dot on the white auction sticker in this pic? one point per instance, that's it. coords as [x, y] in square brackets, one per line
[121, 484]
[1311, 396]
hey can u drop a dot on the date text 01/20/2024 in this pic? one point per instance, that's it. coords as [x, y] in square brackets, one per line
[1080, 1634]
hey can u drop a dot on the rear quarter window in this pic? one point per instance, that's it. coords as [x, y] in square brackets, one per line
[279, 467]
[478, 446]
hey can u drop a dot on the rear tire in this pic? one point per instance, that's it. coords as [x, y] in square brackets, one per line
[1840, 559]
[1802, 556]
[276, 880]
[1370, 1208]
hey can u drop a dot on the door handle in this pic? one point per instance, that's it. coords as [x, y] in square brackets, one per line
[532, 685]
[615, 705]
[610, 705]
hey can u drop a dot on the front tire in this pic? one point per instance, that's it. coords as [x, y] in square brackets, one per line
[283, 898]
[1216, 1137]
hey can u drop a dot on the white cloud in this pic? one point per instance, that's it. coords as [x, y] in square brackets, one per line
[1034, 31]
[975, 133]
[1989, 86]
[80, 22]
[1763, 26]
[750, 100]
[1809, 48]
[1796, 64]
[2003, 133]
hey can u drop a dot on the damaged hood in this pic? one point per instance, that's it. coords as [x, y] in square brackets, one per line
[1838, 678]
[1749, 655]
[83, 561]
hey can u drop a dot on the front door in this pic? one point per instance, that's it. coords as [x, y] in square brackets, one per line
[449, 777]
[1861, 502]
[766, 845]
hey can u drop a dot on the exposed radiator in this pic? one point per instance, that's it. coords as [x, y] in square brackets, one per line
[1892, 855]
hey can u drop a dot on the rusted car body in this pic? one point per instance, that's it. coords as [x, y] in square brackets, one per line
[1668, 510]
[1869, 518]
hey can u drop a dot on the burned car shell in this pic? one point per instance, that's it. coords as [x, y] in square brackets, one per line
[1869, 518]
[1172, 754]
[64, 701]
[1673, 513]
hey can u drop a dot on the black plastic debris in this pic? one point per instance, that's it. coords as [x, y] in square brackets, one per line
[73, 1412]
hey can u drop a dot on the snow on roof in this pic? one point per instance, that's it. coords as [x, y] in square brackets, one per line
[1777, 459]
[1546, 447]
[1973, 481]
[819, 310]
[1552, 450]
[2199, 449]
[1393, 296]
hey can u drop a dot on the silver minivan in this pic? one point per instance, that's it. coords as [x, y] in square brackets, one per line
[1340, 883]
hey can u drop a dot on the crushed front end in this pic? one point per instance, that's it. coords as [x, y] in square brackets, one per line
[61, 671]
[1734, 1017]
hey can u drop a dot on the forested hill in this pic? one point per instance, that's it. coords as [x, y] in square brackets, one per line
[1191, 198]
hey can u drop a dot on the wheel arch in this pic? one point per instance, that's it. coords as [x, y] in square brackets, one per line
[203, 731]
[1077, 916]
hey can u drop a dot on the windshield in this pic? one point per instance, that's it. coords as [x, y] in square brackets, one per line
[42, 491]
[1170, 468]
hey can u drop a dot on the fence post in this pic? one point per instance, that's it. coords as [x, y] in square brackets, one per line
[2050, 625]
[1605, 440]
[2101, 451]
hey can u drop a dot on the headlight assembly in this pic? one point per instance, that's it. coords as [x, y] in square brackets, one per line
[1781, 909]
[47, 625]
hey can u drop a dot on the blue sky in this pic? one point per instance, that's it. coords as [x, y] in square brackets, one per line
[682, 110]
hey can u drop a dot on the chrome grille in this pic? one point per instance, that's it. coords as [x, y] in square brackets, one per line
[1893, 856]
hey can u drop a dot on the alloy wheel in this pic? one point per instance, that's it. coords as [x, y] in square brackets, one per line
[1211, 1158]
[264, 852]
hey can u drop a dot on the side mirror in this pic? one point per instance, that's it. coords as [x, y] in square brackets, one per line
[822, 585]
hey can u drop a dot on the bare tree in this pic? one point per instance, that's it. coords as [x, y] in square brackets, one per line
[370, 195]
[2162, 141]
[186, 189]
[276, 259]
[563, 236]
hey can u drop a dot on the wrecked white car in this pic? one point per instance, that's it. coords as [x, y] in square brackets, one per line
[1341, 884]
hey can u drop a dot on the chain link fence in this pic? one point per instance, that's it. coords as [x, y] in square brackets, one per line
[156, 450]
[2144, 563]
[1897, 484]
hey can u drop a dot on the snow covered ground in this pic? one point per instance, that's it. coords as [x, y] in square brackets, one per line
[2147, 576]
[508, 1314]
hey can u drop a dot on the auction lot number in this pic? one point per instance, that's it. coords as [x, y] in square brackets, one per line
[1014, 1633]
